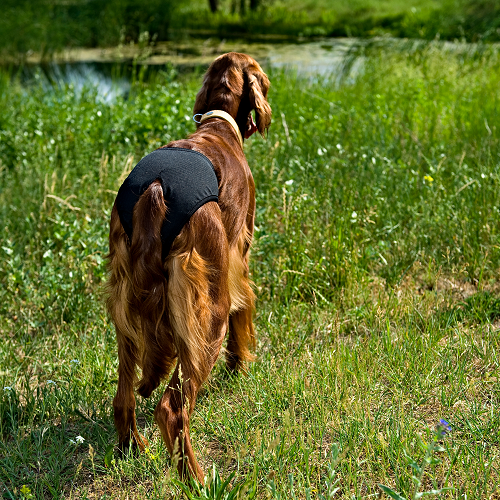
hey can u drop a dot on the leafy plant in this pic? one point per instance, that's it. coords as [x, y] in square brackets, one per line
[430, 448]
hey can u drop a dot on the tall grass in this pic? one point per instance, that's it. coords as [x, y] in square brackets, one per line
[375, 260]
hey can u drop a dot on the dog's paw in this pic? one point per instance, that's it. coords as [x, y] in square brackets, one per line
[137, 443]
[140, 443]
[233, 363]
[123, 449]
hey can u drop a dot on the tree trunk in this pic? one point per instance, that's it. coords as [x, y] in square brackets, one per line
[254, 4]
[213, 5]
[242, 7]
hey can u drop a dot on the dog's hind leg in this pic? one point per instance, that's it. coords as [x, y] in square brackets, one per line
[127, 329]
[124, 401]
[199, 309]
[172, 415]
[174, 410]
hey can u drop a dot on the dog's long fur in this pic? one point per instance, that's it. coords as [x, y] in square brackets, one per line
[177, 311]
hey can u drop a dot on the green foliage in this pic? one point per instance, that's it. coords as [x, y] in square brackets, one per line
[375, 259]
[40, 25]
[45, 26]
[447, 19]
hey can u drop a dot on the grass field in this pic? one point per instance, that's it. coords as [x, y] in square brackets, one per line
[375, 261]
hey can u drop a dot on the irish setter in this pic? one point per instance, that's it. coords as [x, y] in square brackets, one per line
[173, 303]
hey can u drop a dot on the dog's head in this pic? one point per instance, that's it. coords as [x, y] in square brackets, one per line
[235, 83]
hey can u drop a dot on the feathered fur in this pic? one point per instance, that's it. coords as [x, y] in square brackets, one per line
[177, 311]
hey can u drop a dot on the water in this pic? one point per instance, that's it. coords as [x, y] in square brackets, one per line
[81, 76]
[321, 56]
[109, 70]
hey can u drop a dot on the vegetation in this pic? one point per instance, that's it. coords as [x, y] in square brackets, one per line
[446, 19]
[376, 262]
[49, 25]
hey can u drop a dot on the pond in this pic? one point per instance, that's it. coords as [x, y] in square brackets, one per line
[111, 69]
[307, 56]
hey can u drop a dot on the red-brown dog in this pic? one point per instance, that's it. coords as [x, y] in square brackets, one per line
[179, 283]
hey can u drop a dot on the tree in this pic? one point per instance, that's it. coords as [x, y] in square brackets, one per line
[254, 5]
[213, 5]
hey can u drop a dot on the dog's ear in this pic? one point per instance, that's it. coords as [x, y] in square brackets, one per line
[258, 86]
[221, 84]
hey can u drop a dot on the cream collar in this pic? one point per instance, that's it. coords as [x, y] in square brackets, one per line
[218, 113]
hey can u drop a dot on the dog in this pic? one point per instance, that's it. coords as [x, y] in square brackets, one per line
[179, 247]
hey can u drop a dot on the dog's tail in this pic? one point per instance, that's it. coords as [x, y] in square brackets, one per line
[161, 309]
[137, 291]
[150, 288]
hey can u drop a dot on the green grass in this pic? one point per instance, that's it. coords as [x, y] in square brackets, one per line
[375, 259]
[45, 26]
